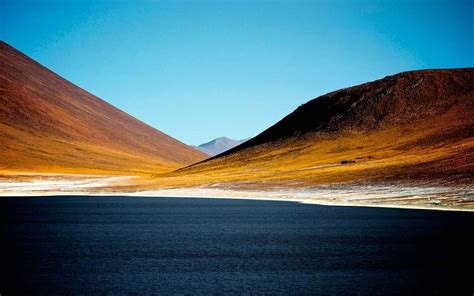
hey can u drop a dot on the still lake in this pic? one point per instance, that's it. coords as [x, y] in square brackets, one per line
[145, 245]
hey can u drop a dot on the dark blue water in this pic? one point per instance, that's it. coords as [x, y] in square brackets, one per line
[132, 245]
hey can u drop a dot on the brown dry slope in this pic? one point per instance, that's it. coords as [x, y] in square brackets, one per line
[48, 124]
[415, 125]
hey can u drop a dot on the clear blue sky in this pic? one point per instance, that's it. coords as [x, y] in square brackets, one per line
[198, 70]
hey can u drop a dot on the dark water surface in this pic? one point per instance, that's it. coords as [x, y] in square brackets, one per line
[135, 245]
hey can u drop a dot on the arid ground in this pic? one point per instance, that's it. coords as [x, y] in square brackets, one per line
[406, 140]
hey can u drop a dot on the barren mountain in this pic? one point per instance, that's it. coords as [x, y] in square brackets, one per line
[219, 145]
[48, 124]
[411, 126]
[390, 102]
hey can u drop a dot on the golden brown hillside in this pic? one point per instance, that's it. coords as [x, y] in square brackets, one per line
[48, 124]
[413, 126]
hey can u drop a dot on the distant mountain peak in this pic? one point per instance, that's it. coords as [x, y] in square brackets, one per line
[219, 145]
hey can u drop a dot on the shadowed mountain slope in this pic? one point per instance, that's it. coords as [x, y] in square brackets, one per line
[48, 124]
[393, 101]
[219, 145]
[415, 125]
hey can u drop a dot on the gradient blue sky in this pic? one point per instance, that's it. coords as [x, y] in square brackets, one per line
[198, 70]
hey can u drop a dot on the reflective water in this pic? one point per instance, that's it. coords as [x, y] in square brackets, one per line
[128, 245]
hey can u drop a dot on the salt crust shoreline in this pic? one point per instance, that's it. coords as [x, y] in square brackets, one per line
[205, 193]
[368, 195]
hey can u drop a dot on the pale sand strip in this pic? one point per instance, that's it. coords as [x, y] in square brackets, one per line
[362, 196]
[287, 196]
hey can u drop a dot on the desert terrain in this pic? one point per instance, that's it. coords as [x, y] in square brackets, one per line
[402, 141]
